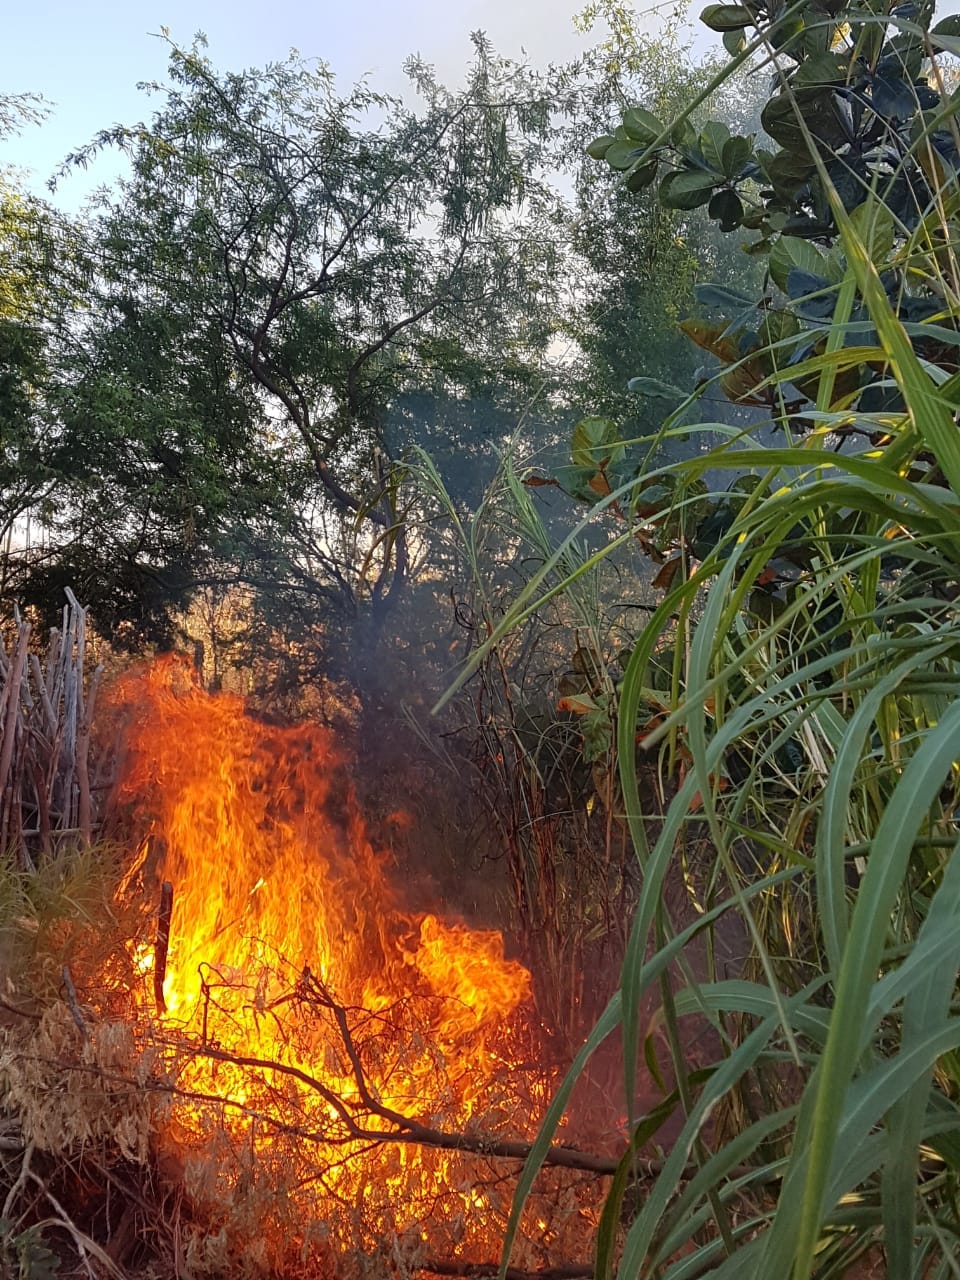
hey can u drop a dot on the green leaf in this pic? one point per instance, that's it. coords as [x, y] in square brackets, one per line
[640, 178]
[622, 155]
[726, 17]
[794, 1236]
[656, 388]
[822, 68]
[791, 253]
[788, 170]
[816, 107]
[933, 419]
[734, 155]
[925, 1008]
[726, 207]
[641, 125]
[599, 147]
[872, 223]
[713, 136]
[595, 440]
[686, 188]
[653, 1066]
[683, 136]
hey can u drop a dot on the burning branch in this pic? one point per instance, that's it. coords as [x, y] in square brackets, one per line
[383, 1091]
[402, 1129]
[163, 944]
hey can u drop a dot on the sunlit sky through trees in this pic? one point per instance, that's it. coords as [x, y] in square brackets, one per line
[87, 59]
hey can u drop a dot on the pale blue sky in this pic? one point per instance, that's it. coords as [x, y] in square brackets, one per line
[87, 56]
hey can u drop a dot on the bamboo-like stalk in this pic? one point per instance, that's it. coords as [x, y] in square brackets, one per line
[47, 704]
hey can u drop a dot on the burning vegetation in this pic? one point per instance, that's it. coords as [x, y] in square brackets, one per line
[247, 1056]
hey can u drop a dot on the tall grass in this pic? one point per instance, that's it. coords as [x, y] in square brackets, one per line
[836, 1078]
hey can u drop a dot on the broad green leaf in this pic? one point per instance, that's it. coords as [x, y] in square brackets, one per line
[788, 170]
[599, 147]
[642, 125]
[734, 155]
[594, 441]
[713, 138]
[687, 188]
[641, 177]
[822, 68]
[726, 17]
[726, 207]
[815, 106]
[622, 155]
[872, 224]
[789, 253]
[656, 388]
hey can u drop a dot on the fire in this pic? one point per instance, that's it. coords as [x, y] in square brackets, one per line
[298, 992]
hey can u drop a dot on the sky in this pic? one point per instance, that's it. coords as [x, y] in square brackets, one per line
[87, 57]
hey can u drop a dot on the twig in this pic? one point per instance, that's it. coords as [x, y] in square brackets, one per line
[70, 995]
[83, 1242]
[411, 1131]
[13, 704]
[18, 1186]
[83, 756]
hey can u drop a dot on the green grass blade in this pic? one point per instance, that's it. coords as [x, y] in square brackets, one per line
[795, 1232]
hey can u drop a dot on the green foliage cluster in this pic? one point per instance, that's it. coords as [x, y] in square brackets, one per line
[807, 350]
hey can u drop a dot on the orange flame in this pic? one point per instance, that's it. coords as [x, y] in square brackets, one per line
[289, 947]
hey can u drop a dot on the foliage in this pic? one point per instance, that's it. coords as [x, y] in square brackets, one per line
[810, 715]
[877, 133]
[31, 296]
[228, 357]
[282, 264]
[535, 737]
[640, 258]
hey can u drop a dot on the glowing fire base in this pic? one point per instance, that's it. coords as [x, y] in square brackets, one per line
[324, 1051]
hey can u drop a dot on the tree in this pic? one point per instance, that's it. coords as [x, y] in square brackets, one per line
[857, 118]
[640, 260]
[282, 266]
[33, 297]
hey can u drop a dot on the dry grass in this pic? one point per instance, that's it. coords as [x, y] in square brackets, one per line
[109, 1166]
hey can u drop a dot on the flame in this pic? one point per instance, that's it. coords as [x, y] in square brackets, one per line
[297, 989]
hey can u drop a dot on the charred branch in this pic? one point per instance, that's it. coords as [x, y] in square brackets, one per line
[163, 944]
[73, 1004]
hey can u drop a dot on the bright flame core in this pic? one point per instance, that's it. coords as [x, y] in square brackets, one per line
[288, 947]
